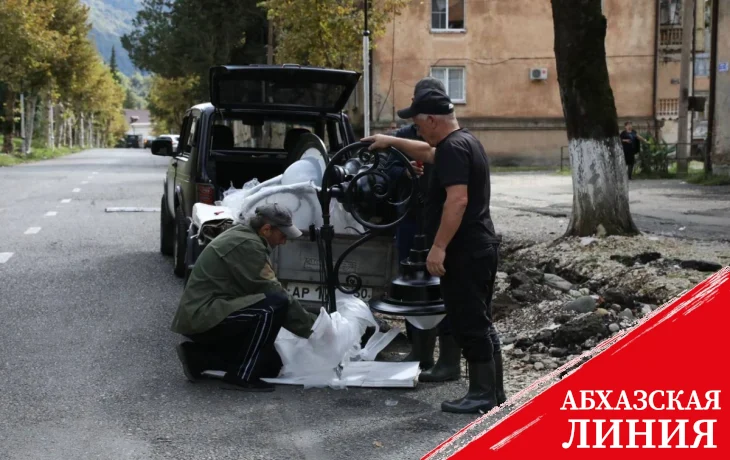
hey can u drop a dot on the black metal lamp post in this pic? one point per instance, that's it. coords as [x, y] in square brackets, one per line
[356, 177]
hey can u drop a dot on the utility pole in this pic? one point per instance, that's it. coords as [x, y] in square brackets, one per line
[366, 71]
[713, 79]
[688, 9]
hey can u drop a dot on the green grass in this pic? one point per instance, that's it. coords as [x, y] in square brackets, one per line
[701, 179]
[38, 153]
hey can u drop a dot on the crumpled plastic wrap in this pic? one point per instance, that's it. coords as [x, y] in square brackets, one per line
[335, 342]
[296, 190]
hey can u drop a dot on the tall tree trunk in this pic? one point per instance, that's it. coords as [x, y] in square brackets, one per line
[82, 139]
[91, 131]
[69, 132]
[600, 180]
[9, 125]
[31, 102]
[50, 141]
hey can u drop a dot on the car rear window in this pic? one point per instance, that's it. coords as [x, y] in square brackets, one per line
[271, 135]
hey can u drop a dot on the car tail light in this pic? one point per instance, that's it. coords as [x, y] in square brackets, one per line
[206, 194]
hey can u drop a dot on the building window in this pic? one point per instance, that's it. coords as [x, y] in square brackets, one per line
[702, 65]
[670, 12]
[454, 81]
[447, 14]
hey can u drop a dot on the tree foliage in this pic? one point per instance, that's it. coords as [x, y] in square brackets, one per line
[327, 33]
[113, 65]
[187, 37]
[46, 54]
[169, 99]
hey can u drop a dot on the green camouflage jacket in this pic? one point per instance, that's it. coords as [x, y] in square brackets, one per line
[233, 272]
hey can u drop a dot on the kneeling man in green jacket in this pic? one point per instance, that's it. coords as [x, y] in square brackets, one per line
[233, 306]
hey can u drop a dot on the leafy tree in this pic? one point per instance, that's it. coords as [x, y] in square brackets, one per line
[27, 46]
[113, 65]
[327, 33]
[169, 99]
[215, 32]
[600, 180]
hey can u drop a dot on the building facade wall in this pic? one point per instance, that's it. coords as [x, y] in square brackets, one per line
[518, 118]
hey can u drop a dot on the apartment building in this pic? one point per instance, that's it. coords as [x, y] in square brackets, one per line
[497, 61]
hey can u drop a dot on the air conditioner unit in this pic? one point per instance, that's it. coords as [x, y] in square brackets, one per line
[538, 74]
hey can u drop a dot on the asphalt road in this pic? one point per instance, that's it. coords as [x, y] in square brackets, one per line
[662, 207]
[88, 368]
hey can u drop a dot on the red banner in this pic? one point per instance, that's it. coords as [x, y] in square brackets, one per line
[654, 391]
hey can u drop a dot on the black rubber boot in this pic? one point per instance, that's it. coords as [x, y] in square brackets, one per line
[448, 366]
[481, 395]
[255, 385]
[499, 379]
[423, 343]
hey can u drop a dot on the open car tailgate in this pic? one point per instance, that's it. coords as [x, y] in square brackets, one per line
[285, 88]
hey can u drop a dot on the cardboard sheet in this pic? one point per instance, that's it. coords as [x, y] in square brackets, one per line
[364, 374]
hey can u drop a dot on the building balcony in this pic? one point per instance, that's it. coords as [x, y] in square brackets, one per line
[668, 109]
[670, 38]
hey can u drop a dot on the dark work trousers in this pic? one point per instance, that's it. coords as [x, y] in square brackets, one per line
[467, 289]
[404, 233]
[243, 343]
[630, 158]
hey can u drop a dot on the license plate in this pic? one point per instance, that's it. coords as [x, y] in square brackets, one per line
[314, 292]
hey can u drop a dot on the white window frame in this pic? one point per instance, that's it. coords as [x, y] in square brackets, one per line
[446, 83]
[446, 30]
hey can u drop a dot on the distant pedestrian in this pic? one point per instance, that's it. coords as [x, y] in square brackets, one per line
[631, 142]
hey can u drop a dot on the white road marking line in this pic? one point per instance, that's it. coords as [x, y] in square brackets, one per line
[32, 230]
[76, 190]
[66, 200]
[51, 214]
[95, 172]
[5, 256]
[84, 182]
[132, 209]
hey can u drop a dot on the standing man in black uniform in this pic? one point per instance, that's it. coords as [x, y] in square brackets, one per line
[423, 342]
[464, 245]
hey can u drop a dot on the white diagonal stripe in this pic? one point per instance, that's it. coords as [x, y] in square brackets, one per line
[32, 230]
[5, 256]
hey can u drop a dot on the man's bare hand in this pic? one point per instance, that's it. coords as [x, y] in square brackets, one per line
[379, 141]
[435, 261]
[417, 168]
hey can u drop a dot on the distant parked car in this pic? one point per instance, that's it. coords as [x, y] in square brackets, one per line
[133, 141]
[148, 141]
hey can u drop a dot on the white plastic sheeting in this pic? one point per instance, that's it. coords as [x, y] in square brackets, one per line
[296, 190]
[332, 347]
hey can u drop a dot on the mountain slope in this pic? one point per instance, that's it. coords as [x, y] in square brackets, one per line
[110, 20]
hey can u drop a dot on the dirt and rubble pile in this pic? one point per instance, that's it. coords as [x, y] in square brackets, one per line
[555, 300]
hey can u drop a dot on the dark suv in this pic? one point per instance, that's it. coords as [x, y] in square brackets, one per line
[253, 128]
